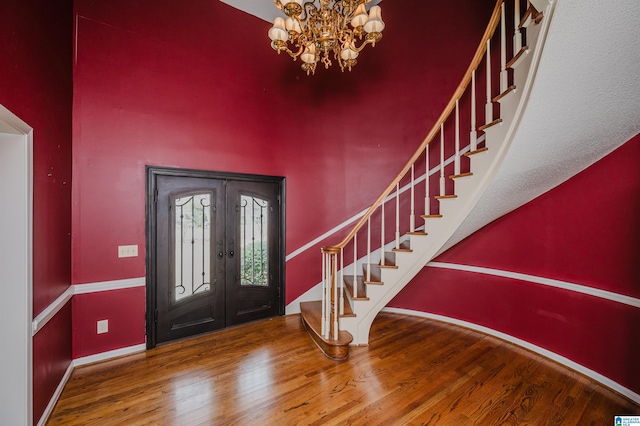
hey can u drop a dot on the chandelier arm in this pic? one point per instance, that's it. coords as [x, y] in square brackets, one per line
[364, 43]
[293, 54]
[305, 13]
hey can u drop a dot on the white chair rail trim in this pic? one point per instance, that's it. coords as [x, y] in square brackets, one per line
[50, 311]
[591, 291]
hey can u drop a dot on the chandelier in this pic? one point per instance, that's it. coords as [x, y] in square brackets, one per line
[338, 28]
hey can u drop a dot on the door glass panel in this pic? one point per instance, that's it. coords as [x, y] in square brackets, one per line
[253, 241]
[192, 245]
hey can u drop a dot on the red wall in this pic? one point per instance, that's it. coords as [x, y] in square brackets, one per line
[51, 358]
[125, 329]
[36, 85]
[585, 231]
[177, 84]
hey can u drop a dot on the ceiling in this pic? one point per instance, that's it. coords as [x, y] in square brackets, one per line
[263, 9]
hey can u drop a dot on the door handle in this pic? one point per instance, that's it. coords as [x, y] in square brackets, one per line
[231, 252]
[220, 255]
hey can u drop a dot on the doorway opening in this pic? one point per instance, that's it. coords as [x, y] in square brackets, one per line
[215, 251]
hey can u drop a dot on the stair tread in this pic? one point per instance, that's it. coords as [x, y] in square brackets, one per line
[444, 197]
[532, 14]
[517, 56]
[424, 234]
[493, 123]
[505, 93]
[477, 151]
[431, 216]
[311, 316]
[461, 175]
[405, 247]
[362, 288]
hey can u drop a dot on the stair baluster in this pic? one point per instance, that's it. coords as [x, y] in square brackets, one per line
[504, 74]
[369, 249]
[442, 179]
[488, 109]
[456, 169]
[412, 217]
[473, 134]
[427, 199]
[397, 217]
[355, 266]
[517, 35]
[382, 234]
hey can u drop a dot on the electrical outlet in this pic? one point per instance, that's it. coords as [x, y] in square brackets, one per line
[103, 326]
[128, 251]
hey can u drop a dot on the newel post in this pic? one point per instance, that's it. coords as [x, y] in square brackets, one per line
[330, 296]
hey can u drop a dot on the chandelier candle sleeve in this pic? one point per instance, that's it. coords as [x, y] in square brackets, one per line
[325, 30]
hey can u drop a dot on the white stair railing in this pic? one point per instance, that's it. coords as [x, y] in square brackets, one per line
[405, 210]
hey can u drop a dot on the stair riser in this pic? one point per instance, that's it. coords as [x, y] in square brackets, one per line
[466, 185]
[480, 164]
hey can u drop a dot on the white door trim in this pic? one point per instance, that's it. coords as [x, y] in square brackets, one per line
[16, 224]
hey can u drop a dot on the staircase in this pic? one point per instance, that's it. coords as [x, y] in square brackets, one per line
[447, 175]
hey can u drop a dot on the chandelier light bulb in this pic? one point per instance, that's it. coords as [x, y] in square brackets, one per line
[359, 16]
[309, 55]
[278, 31]
[293, 25]
[349, 51]
[374, 23]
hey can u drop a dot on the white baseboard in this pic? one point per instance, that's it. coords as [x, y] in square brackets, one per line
[109, 354]
[83, 361]
[56, 395]
[530, 346]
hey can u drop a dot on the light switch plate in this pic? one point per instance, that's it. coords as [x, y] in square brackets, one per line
[103, 326]
[128, 251]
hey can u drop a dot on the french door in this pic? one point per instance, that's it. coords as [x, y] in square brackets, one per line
[215, 253]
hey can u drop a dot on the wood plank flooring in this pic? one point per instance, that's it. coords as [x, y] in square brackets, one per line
[414, 372]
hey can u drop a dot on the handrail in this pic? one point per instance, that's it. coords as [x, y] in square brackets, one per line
[462, 87]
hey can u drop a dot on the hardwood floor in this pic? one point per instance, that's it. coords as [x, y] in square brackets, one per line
[415, 371]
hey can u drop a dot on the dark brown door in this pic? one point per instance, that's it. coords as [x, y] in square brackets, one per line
[216, 253]
[252, 263]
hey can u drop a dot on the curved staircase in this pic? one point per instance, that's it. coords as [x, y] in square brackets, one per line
[448, 174]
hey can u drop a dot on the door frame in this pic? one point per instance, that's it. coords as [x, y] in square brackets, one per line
[16, 264]
[152, 172]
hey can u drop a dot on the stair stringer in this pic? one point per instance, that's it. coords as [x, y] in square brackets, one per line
[468, 190]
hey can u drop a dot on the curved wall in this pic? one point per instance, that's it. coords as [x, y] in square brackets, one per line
[585, 231]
